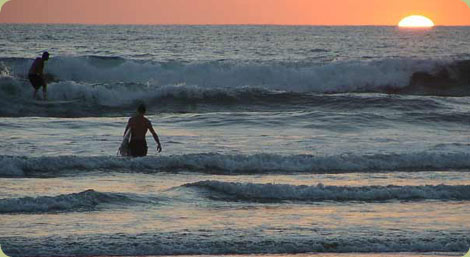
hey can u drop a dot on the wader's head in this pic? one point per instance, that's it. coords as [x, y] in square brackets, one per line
[45, 56]
[141, 109]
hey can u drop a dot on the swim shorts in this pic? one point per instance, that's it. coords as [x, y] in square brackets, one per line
[138, 148]
[36, 81]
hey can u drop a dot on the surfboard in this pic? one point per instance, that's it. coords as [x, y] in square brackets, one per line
[124, 147]
[38, 102]
[2, 254]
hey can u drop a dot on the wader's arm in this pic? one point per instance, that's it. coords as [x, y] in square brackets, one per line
[155, 137]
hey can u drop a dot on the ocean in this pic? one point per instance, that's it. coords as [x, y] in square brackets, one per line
[277, 141]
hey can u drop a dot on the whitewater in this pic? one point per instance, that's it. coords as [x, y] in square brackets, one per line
[277, 141]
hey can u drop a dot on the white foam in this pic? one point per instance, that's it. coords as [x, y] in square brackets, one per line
[310, 77]
[117, 82]
[306, 77]
[120, 95]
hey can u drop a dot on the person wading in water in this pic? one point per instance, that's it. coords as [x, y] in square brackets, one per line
[139, 125]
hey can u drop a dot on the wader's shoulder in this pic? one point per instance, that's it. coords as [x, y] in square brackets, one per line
[148, 122]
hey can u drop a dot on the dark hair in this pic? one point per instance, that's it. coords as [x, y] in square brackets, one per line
[45, 55]
[141, 109]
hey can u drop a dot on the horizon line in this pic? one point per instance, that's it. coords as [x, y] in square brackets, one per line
[213, 24]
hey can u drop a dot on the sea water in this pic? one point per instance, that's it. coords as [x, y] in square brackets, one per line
[276, 140]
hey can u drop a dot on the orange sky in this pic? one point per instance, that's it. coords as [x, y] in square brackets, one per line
[289, 12]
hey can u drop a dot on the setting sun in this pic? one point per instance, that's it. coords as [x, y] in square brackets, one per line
[416, 21]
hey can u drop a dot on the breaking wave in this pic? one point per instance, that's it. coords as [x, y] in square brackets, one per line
[236, 164]
[114, 82]
[276, 192]
[305, 77]
[84, 201]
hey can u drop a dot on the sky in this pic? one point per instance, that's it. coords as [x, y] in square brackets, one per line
[281, 12]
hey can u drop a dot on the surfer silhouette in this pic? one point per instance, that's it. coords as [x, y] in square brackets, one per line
[36, 75]
[138, 126]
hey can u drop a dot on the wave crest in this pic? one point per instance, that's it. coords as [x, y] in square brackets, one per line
[337, 77]
[83, 201]
[114, 82]
[237, 164]
[273, 192]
